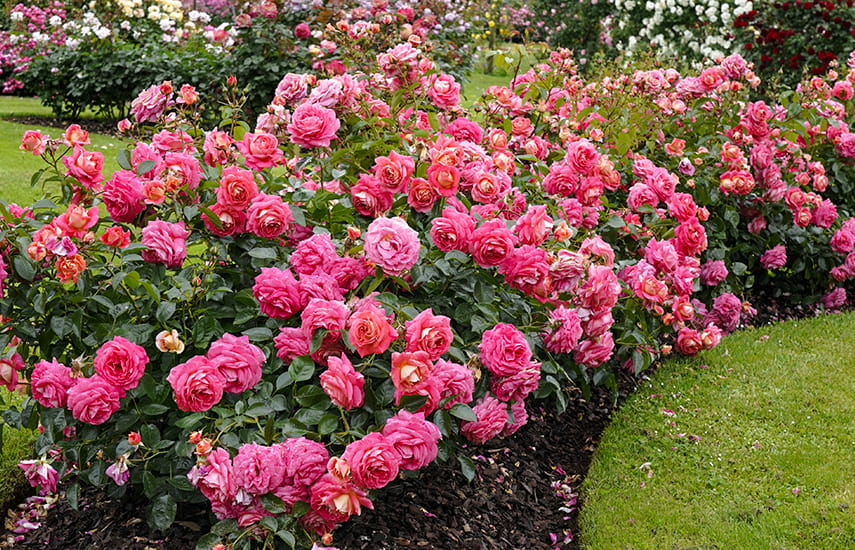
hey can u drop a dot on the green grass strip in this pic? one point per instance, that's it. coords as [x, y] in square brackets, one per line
[748, 446]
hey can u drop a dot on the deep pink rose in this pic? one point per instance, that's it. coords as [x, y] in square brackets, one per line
[232, 220]
[123, 196]
[444, 91]
[527, 269]
[689, 341]
[601, 290]
[337, 500]
[455, 381]
[491, 243]
[835, 298]
[261, 150]
[430, 333]
[370, 330]
[258, 469]
[394, 172]
[595, 351]
[313, 125]
[305, 461]
[215, 478]
[518, 386]
[121, 363]
[302, 30]
[317, 253]
[774, 258]
[237, 187]
[414, 438]
[373, 461]
[370, 197]
[150, 104]
[504, 350]
[50, 382]
[93, 400]
[520, 419]
[564, 332]
[452, 231]
[166, 242]
[392, 244]
[277, 292]
[198, 384]
[342, 383]
[268, 216]
[713, 272]
[9, 368]
[725, 313]
[491, 417]
[40, 473]
[291, 343]
[238, 361]
[327, 314]
[691, 237]
[562, 180]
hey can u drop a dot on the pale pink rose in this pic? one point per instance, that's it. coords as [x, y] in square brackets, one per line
[93, 400]
[9, 367]
[452, 230]
[504, 350]
[237, 187]
[327, 314]
[317, 253]
[34, 142]
[313, 125]
[261, 150]
[292, 88]
[444, 91]
[518, 386]
[369, 331]
[455, 381]
[121, 363]
[40, 473]
[238, 361]
[595, 351]
[291, 343]
[49, 383]
[342, 383]
[166, 243]
[373, 461]
[429, 333]
[392, 244]
[258, 469]
[414, 438]
[491, 243]
[598, 249]
[86, 167]
[774, 258]
[337, 500]
[198, 385]
[713, 272]
[268, 216]
[215, 477]
[491, 417]
[565, 330]
[277, 292]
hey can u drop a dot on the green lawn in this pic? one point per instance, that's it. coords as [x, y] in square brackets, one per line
[749, 446]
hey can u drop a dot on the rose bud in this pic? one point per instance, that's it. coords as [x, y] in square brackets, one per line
[134, 439]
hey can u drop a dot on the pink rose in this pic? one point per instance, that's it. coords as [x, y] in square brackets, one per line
[116, 237]
[595, 351]
[410, 370]
[491, 243]
[582, 156]
[34, 142]
[238, 361]
[150, 104]
[86, 167]
[261, 150]
[215, 478]
[237, 187]
[534, 226]
[277, 292]
[725, 313]
[317, 253]
[452, 230]
[392, 244]
[198, 384]
[562, 180]
[689, 341]
[93, 400]
[40, 473]
[373, 461]
[691, 238]
[342, 383]
[121, 363]
[491, 418]
[231, 220]
[370, 331]
[835, 298]
[429, 333]
[370, 197]
[444, 91]
[268, 216]
[326, 314]
[564, 332]
[337, 500]
[218, 148]
[305, 461]
[518, 386]
[520, 419]
[166, 243]
[302, 30]
[774, 258]
[713, 272]
[421, 195]
[394, 172]
[843, 240]
[527, 269]
[601, 290]
[9, 367]
[456, 382]
[504, 350]
[291, 343]
[414, 438]
[258, 469]
[50, 382]
[313, 125]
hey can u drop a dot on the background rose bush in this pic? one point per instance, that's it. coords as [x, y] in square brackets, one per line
[280, 317]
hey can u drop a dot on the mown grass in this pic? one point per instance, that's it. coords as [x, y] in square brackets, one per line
[747, 446]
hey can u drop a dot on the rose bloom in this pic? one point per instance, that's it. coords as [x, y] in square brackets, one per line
[835, 298]
[215, 478]
[594, 351]
[725, 313]
[40, 473]
[277, 292]
[774, 258]
[261, 150]
[369, 331]
[491, 243]
[169, 342]
[116, 237]
[452, 230]
[392, 244]
[198, 385]
[373, 461]
[504, 350]
[268, 216]
[85, 166]
[34, 142]
[421, 195]
[370, 197]
[238, 361]
[218, 148]
[258, 469]
[49, 383]
[444, 91]
[121, 363]
[429, 333]
[562, 180]
[601, 290]
[150, 104]
[166, 243]
[237, 187]
[232, 221]
[317, 253]
[516, 387]
[342, 383]
[410, 370]
[313, 125]
[69, 268]
[527, 269]
[456, 382]
[93, 400]
[327, 314]
[394, 172]
[336, 500]
[414, 438]
[444, 179]
[689, 341]
[564, 332]
[9, 367]
[691, 238]
[534, 226]
[520, 419]
[491, 417]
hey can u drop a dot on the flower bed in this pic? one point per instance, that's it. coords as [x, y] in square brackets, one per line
[282, 318]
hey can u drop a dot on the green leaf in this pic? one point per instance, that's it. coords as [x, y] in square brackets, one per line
[265, 253]
[317, 340]
[273, 504]
[467, 467]
[463, 412]
[165, 311]
[212, 217]
[123, 158]
[301, 368]
[61, 326]
[207, 542]
[297, 214]
[328, 424]
[72, 494]
[300, 508]
[153, 409]
[738, 268]
[162, 512]
[150, 435]
[258, 333]
[24, 267]
[145, 166]
[287, 537]
[189, 421]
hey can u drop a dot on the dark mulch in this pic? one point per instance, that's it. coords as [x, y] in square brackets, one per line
[521, 495]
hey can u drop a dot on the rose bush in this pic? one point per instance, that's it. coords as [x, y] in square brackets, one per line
[278, 318]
